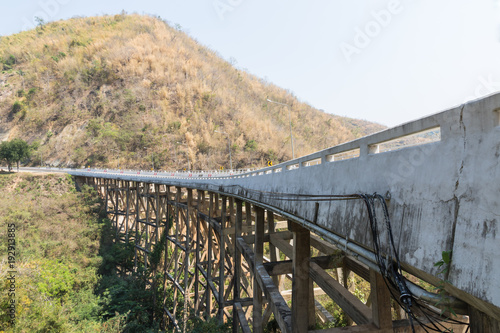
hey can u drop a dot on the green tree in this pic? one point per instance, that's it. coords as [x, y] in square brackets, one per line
[6, 153]
[14, 152]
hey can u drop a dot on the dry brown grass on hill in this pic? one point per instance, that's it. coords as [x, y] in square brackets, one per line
[119, 89]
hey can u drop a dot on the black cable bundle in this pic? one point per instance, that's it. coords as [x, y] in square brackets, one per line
[393, 276]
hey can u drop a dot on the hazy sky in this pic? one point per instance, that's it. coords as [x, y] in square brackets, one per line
[388, 61]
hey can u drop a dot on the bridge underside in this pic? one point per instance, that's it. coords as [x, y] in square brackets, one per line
[252, 265]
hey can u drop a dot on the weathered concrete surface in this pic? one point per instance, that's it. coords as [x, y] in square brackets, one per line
[444, 196]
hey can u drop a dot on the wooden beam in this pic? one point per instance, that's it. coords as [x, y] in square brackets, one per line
[355, 266]
[281, 225]
[222, 258]
[301, 295]
[211, 284]
[282, 245]
[287, 294]
[370, 328]
[248, 216]
[323, 314]
[273, 251]
[258, 259]
[480, 322]
[186, 254]
[286, 235]
[352, 306]
[201, 196]
[176, 283]
[216, 224]
[231, 230]
[137, 217]
[282, 312]
[208, 291]
[323, 246]
[248, 301]
[172, 318]
[238, 312]
[381, 301]
[285, 267]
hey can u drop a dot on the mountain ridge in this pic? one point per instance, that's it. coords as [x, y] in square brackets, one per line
[131, 91]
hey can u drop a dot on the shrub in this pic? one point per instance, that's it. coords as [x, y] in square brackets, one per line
[56, 279]
[76, 42]
[203, 147]
[17, 107]
[174, 126]
[197, 325]
[98, 73]
[31, 93]
[9, 62]
[251, 145]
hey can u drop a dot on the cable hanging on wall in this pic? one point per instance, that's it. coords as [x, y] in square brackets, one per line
[430, 319]
[390, 268]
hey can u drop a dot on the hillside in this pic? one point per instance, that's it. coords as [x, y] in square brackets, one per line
[124, 90]
[65, 262]
[55, 256]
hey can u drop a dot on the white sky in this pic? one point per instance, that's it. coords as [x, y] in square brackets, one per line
[420, 57]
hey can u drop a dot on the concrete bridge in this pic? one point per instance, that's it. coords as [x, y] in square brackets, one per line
[386, 208]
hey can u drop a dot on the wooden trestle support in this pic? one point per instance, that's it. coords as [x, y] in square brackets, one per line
[242, 263]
